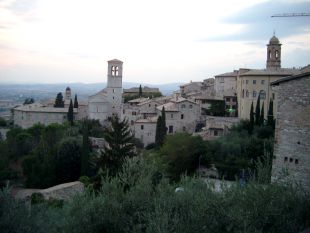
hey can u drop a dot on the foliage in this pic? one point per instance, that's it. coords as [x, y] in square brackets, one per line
[70, 113]
[86, 148]
[181, 153]
[217, 108]
[133, 202]
[251, 127]
[59, 102]
[150, 95]
[270, 118]
[140, 91]
[3, 122]
[257, 112]
[28, 101]
[120, 145]
[262, 114]
[161, 129]
[76, 103]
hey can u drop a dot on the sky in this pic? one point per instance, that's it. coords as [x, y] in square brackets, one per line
[159, 41]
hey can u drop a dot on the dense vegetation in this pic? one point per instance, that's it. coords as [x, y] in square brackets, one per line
[136, 200]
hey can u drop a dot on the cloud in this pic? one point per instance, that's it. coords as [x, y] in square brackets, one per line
[259, 25]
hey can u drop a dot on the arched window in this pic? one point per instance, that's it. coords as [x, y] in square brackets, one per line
[277, 54]
[243, 93]
[114, 70]
[262, 94]
[254, 93]
[269, 53]
[247, 93]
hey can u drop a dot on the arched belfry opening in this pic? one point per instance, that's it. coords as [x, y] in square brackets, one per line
[273, 53]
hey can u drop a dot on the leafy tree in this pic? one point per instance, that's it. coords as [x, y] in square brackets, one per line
[76, 103]
[262, 113]
[119, 146]
[257, 112]
[163, 129]
[59, 102]
[251, 127]
[181, 153]
[140, 91]
[270, 118]
[70, 113]
[68, 160]
[86, 148]
[217, 108]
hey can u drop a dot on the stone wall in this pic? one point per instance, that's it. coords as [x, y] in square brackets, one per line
[292, 135]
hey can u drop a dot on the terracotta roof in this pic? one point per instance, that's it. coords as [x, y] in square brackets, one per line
[228, 74]
[273, 72]
[138, 100]
[36, 107]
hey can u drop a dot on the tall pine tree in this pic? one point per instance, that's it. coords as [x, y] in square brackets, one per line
[251, 127]
[119, 145]
[270, 119]
[262, 113]
[59, 101]
[70, 113]
[76, 103]
[158, 138]
[257, 111]
[163, 124]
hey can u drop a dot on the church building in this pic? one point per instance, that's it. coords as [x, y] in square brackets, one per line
[108, 102]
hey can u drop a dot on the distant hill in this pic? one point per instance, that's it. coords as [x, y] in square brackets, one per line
[19, 92]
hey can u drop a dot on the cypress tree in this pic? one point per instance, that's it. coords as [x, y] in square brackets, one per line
[163, 124]
[262, 113]
[59, 102]
[76, 103]
[270, 119]
[158, 141]
[251, 127]
[140, 91]
[70, 113]
[257, 111]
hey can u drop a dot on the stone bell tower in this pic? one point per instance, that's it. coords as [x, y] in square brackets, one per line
[114, 86]
[273, 54]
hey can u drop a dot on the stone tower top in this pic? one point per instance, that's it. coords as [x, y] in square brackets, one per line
[68, 93]
[273, 53]
[115, 73]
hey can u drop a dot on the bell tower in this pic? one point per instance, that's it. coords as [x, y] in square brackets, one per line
[273, 54]
[114, 86]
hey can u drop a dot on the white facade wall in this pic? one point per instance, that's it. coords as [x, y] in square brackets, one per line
[145, 131]
[225, 84]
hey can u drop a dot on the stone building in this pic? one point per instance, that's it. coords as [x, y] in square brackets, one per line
[226, 83]
[108, 101]
[252, 83]
[292, 134]
[145, 130]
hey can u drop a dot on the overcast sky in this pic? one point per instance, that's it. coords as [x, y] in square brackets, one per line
[159, 41]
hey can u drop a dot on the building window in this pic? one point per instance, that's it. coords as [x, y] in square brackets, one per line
[170, 128]
[114, 70]
[113, 91]
[227, 99]
[149, 105]
[183, 106]
[269, 53]
[113, 97]
[273, 96]
[296, 161]
[182, 116]
[291, 160]
[184, 128]
[215, 133]
[254, 93]
[142, 127]
[123, 111]
[134, 113]
[132, 122]
[247, 93]
[190, 106]
[262, 94]
[254, 81]
[246, 81]
[277, 54]
[243, 93]
[262, 82]
[227, 106]
[171, 116]
[285, 159]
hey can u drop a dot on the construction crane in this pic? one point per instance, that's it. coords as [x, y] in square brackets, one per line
[291, 15]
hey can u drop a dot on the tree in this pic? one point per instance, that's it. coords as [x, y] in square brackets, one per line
[59, 102]
[158, 138]
[140, 91]
[257, 111]
[76, 103]
[163, 124]
[70, 113]
[181, 153]
[251, 127]
[262, 113]
[270, 119]
[119, 145]
[28, 101]
[85, 148]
